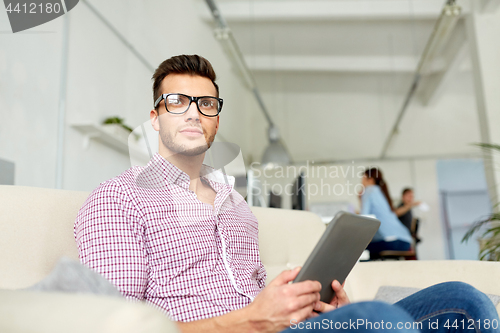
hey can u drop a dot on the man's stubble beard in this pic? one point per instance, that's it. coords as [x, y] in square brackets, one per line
[169, 142]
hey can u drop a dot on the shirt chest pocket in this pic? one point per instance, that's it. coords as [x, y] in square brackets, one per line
[184, 255]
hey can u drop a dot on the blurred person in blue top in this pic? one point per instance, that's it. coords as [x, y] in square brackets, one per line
[392, 234]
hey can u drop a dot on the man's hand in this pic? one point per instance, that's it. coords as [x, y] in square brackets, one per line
[280, 303]
[340, 299]
[274, 309]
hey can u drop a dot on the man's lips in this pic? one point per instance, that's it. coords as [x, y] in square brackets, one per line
[192, 131]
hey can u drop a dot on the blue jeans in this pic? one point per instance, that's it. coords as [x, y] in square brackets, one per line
[397, 245]
[445, 307]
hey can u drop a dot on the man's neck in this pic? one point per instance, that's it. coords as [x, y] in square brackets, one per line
[191, 165]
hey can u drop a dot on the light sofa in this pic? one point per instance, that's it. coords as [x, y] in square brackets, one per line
[36, 229]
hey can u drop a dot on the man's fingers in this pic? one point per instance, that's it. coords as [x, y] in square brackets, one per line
[302, 314]
[304, 301]
[340, 294]
[312, 315]
[337, 287]
[323, 307]
[285, 277]
[305, 287]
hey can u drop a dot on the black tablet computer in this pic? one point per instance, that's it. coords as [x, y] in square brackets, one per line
[337, 251]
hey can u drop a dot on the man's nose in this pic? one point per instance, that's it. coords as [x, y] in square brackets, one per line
[192, 112]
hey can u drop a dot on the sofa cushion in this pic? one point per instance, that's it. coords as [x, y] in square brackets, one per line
[391, 294]
[72, 277]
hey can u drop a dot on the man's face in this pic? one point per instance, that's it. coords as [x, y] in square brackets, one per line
[408, 197]
[190, 133]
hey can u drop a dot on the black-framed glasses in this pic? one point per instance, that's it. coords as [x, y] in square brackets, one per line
[179, 103]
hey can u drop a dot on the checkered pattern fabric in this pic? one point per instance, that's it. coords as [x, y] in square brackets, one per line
[148, 234]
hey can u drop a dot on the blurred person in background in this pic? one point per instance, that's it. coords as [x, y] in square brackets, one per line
[392, 235]
[403, 211]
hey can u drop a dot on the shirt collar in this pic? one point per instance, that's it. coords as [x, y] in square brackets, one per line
[173, 175]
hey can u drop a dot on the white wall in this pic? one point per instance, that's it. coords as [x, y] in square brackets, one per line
[431, 227]
[29, 96]
[103, 79]
[483, 28]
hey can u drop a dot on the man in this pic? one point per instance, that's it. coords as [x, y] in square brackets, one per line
[175, 233]
[403, 211]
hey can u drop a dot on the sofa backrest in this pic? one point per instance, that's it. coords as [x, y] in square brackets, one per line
[286, 237]
[36, 229]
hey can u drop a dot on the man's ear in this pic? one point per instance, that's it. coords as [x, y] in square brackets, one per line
[153, 116]
[217, 125]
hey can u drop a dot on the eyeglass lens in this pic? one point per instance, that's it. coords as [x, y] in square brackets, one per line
[176, 103]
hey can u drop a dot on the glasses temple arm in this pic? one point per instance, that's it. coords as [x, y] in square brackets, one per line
[158, 101]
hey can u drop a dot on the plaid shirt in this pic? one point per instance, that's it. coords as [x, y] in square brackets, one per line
[147, 233]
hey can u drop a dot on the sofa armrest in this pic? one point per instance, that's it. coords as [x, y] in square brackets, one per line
[366, 277]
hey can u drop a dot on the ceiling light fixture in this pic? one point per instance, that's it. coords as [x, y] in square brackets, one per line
[440, 36]
[276, 152]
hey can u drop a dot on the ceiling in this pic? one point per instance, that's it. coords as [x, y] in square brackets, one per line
[334, 75]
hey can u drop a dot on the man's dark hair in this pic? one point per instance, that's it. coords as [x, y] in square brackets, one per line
[406, 190]
[183, 64]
